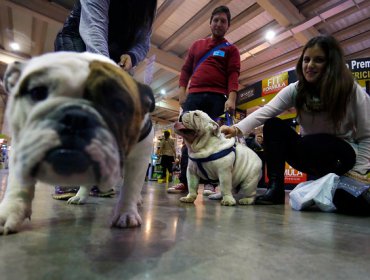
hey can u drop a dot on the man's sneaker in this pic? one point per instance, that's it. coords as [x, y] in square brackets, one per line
[179, 188]
[209, 189]
[96, 192]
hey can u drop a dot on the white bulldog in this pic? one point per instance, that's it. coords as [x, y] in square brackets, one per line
[76, 119]
[213, 157]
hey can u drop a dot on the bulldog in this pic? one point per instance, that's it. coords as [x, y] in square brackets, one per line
[214, 158]
[76, 119]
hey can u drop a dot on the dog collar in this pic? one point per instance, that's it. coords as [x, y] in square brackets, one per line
[146, 129]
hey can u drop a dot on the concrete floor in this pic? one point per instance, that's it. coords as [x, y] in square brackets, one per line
[182, 241]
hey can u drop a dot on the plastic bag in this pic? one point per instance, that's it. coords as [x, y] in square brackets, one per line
[317, 192]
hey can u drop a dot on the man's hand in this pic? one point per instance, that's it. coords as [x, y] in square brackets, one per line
[125, 62]
[182, 95]
[230, 102]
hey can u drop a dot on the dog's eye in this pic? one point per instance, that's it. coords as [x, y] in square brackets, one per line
[118, 106]
[38, 93]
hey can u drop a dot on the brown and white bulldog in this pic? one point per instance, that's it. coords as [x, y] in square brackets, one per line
[213, 157]
[76, 119]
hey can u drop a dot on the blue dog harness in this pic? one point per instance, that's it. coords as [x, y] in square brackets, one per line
[215, 156]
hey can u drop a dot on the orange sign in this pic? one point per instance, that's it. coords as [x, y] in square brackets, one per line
[274, 84]
[291, 175]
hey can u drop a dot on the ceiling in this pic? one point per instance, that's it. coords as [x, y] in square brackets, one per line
[34, 24]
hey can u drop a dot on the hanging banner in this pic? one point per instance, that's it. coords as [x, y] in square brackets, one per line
[274, 84]
[360, 69]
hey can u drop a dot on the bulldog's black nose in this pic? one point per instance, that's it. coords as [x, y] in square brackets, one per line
[74, 120]
[76, 127]
[180, 118]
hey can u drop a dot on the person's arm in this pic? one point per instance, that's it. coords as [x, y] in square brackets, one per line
[173, 147]
[361, 108]
[182, 95]
[281, 102]
[94, 25]
[233, 72]
[186, 72]
[139, 51]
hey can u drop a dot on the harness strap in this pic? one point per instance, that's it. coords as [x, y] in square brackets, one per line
[205, 56]
[215, 156]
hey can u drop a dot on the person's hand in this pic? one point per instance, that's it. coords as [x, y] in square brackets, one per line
[230, 106]
[182, 95]
[229, 131]
[125, 62]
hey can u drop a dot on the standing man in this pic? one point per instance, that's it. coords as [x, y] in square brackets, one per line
[213, 68]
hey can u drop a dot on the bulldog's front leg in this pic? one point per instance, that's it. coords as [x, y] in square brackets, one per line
[225, 178]
[193, 183]
[126, 212]
[16, 206]
[81, 196]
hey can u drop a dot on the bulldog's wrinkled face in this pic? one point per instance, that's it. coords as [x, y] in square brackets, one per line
[74, 118]
[194, 125]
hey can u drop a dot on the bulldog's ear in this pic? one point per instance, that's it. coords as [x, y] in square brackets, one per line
[147, 97]
[12, 74]
[215, 128]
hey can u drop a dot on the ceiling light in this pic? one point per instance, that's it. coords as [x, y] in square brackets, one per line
[14, 46]
[270, 35]
[163, 92]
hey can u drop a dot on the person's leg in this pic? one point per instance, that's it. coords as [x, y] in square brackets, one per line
[213, 104]
[278, 138]
[320, 154]
[317, 155]
[182, 187]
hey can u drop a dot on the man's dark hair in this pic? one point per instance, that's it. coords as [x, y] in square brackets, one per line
[219, 10]
[166, 134]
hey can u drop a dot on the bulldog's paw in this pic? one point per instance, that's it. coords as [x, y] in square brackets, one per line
[246, 201]
[126, 219]
[12, 215]
[77, 200]
[228, 200]
[190, 198]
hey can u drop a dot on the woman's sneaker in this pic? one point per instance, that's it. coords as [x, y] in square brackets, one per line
[179, 188]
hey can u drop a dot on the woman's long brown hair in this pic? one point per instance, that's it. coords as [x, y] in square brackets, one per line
[335, 86]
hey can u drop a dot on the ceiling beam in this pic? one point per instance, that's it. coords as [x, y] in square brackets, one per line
[44, 10]
[286, 14]
[167, 8]
[38, 36]
[166, 60]
[5, 26]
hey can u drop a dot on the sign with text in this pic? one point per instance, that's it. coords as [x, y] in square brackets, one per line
[291, 176]
[360, 69]
[274, 84]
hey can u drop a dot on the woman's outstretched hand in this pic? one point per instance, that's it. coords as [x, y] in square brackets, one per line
[229, 131]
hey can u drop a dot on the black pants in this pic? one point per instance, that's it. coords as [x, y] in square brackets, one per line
[167, 163]
[211, 103]
[317, 154]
